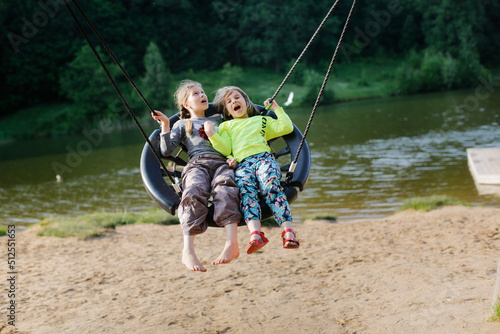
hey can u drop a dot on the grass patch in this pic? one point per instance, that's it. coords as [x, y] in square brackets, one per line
[430, 203]
[495, 311]
[3, 231]
[99, 223]
[369, 79]
[322, 215]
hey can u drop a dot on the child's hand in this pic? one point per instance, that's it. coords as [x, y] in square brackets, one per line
[209, 128]
[232, 162]
[274, 105]
[162, 119]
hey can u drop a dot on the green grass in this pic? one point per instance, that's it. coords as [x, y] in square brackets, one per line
[322, 215]
[3, 231]
[99, 223]
[369, 79]
[430, 203]
[495, 311]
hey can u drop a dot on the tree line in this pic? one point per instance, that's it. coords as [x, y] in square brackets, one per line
[45, 59]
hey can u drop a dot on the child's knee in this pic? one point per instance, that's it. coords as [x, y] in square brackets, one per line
[195, 189]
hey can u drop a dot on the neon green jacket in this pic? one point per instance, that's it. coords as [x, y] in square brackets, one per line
[244, 137]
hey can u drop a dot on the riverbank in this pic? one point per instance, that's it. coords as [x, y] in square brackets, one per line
[412, 272]
[349, 81]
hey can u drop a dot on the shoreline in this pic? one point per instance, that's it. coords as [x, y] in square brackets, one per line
[411, 272]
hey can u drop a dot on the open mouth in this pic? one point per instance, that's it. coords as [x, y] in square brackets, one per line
[237, 108]
[203, 101]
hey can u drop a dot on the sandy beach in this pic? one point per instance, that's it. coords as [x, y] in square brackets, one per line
[412, 272]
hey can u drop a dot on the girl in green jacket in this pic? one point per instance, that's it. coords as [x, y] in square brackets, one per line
[244, 139]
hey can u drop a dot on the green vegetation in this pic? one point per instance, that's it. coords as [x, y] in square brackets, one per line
[495, 311]
[157, 80]
[430, 203]
[3, 231]
[348, 82]
[99, 223]
[50, 74]
[322, 215]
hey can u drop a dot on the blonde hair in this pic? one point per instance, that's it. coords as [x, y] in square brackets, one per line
[180, 98]
[223, 93]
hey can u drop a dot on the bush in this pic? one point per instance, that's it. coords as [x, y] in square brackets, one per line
[231, 76]
[450, 72]
[363, 81]
[313, 81]
[299, 73]
[433, 70]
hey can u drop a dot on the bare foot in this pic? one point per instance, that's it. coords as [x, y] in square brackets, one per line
[229, 253]
[190, 260]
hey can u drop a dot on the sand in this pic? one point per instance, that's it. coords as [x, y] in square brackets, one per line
[413, 272]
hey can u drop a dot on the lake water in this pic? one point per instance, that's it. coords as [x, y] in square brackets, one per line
[367, 158]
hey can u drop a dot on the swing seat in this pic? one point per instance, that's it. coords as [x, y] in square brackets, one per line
[153, 176]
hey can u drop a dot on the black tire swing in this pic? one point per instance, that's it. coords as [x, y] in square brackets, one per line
[168, 197]
[153, 169]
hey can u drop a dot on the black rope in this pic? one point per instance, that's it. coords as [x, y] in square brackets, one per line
[327, 76]
[303, 52]
[127, 106]
[94, 30]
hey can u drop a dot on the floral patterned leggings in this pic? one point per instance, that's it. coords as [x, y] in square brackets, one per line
[261, 172]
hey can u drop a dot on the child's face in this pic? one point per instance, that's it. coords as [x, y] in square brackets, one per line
[236, 105]
[197, 100]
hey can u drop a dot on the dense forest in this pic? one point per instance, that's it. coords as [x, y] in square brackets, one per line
[44, 57]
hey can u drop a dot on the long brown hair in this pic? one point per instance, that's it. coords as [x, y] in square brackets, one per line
[224, 92]
[180, 97]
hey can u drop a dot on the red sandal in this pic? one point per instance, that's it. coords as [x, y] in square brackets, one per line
[256, 244]
[287, 242]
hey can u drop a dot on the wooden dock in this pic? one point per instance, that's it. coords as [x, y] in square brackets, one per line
[484, 165]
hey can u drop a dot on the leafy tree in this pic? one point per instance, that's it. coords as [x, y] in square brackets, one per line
[443, 22]
[157, 82]
[272, 33]
[85, 83]
[207, 34]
